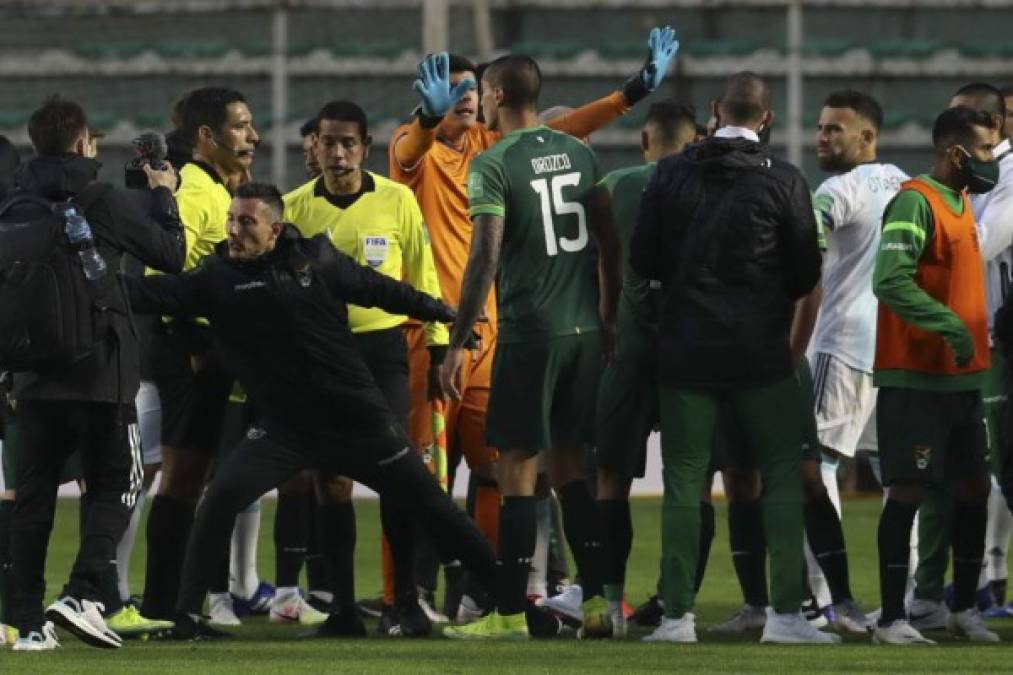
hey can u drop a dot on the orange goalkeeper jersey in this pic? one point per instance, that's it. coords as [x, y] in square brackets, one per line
[439, 180]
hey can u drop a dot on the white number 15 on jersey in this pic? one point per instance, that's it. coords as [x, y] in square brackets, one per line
[558, 206]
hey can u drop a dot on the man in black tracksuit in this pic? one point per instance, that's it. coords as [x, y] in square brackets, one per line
[276, 304]
[88, 406]
[729, 231]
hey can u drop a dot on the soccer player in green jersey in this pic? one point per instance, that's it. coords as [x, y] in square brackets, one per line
[534, 209]
[627, 409]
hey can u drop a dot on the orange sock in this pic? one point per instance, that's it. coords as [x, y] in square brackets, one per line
[487, 500]
[387, 570]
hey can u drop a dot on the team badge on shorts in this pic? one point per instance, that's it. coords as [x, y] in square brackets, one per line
[923, 454]
[375, 250]
[255, 433]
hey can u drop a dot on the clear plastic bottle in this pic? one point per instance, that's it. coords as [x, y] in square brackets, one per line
[80, 237]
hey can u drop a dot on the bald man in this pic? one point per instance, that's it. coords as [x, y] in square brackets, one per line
[729, 231]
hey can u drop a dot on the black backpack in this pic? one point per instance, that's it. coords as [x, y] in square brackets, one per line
[51, 315]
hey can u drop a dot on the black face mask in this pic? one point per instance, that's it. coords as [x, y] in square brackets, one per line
[980, 176]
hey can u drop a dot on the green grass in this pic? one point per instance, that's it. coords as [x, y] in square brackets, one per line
[264, 648]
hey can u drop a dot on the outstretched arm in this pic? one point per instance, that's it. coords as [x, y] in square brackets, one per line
[171, 294]
[661, 49]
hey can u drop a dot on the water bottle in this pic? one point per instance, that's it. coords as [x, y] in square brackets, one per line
[79, 235]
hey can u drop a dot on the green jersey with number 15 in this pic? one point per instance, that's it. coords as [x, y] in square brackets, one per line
[540, 182]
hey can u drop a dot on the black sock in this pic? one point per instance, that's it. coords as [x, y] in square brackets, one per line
[110, 589]
[582, 528]
[706, 537]
[290, 538]
[517, 533]
[894, 537]
[6, 508]
[826, 539]
[427, 563]
[316, 566]
[169, 524]
[336, 535]
[968, 541]
[618, 525]
[749, 550]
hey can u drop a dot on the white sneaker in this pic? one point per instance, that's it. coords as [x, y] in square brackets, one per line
[468, 611]
[431, 612]
[84, 619]
[848, 617]
[221, 610]
[795, 630]
[682, 629]
[970, 624]
[38, 641]
[288, 607]
[899, 632]
[873, 617]
[568, 602]
[747, 618]
[927, 614]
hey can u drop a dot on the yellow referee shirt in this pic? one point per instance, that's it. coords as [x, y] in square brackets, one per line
[203, 202]
[381, 227]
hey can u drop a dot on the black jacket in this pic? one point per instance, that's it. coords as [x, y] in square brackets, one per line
[729, 231]
[110, 373]
[280, 326]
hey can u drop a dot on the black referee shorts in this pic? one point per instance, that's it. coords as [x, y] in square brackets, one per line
[193, 403]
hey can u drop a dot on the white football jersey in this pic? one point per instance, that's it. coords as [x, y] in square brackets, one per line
[851, 207]
[993, 215]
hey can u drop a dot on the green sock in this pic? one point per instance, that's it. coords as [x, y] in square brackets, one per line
[6, 507]
[613, 592]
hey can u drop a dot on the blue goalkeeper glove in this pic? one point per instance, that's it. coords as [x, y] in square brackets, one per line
[661, 49]
[433, 87]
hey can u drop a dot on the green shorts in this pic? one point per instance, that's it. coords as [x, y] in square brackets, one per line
[731, 449]
[993, 394]
[543, 393]
[930, 436]
[627, 409]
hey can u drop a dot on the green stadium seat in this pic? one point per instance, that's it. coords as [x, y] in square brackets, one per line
[13, 119]
[905, 49]
[553, 49]
[705, 48]
[893, 119]
[987, 49]
[374, 48]
[826, 47]
[111, 49]
[191, 49]
[623, 49]
[103, 121]
[152, 120]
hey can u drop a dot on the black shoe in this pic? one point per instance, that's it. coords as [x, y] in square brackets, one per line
[389, 624]
[343, 623]
[371, 608]
[188, 629]
[542, 623]
[319, 604]
[412, 618]
[648, 614]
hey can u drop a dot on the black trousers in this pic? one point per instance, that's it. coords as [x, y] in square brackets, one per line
[49, 431]
[380, 458]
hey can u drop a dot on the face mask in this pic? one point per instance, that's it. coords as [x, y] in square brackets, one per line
[981, 176]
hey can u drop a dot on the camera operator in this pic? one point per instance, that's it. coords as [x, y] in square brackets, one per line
[89, 404]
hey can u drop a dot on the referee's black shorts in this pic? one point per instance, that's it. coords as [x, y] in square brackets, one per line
[193, 403]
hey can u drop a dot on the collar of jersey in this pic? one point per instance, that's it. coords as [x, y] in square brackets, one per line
[208, 169]
[344, 201]
[526, 130]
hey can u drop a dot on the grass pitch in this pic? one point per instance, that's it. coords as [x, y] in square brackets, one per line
[265, 648]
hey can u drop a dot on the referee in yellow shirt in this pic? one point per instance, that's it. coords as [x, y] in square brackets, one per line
[377, 222]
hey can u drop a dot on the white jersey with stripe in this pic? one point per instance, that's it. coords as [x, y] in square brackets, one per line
[850, 206]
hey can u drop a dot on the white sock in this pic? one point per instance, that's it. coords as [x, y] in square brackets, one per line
[828, 471]
[912, 563]
[817, 582]
[997, 535]
[874, 466]
[538, 574]
[125, 548]
[243, 579]
[285, 592]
